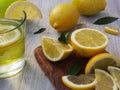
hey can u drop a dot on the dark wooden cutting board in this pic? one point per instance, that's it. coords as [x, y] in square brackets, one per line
[55, 70]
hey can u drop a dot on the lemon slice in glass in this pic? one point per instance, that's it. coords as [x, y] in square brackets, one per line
[15, 10]
[55, 50]
[7, 38]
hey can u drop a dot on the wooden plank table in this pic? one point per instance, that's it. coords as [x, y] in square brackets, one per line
[32, 77]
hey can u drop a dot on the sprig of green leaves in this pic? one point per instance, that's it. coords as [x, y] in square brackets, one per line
[64, 37]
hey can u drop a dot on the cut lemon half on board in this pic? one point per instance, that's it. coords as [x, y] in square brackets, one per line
[101, 61]
[82, 82]
[115, 72]
[15, 10]
[55, 50]
[104, 81]
[88, 42]
[111, 30]
[8, 38]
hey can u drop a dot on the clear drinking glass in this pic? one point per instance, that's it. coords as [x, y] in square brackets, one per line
[12, 46]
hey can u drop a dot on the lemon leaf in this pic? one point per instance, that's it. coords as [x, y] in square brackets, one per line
[75, 68]
[64, 37]
[40, 30]
[105, 20]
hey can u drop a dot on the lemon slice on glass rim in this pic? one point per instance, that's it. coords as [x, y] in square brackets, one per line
[15, 10]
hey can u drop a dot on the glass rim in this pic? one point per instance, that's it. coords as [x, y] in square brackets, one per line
[14, 20]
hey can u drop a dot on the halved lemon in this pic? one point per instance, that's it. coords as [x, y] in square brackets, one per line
[15, 10]
[115, 72]
[104, 81]
[111, 30]
[87, 42]
[55, 50]
[82, 82]
[101, 61]
[9, 37]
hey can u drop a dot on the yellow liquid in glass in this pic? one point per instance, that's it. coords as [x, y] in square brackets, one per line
[12, 49]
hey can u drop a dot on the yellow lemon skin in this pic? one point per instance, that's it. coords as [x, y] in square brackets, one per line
[84, 52]
[89, 7]
[86, 42]
[100, 61]
[63, 17]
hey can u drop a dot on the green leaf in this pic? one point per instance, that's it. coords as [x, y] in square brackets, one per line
[105, 20]
[64, 37]
[40, 31]
[75, 68]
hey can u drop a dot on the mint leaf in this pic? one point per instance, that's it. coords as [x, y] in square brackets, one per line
[40, 30]
[75, 68]
[105, 20]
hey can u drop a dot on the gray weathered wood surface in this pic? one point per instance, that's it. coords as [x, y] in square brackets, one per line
[32, 77]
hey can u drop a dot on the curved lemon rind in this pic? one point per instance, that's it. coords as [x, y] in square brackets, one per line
[98, 57]
[111, 31]
[78, 86]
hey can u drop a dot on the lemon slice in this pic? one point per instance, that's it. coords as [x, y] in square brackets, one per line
[15, 10]
[104, 81]
[8, 38]
[115, 72]
[111, 30]
[82, 82]
[101, 61]
[88, 42]
[55, 50]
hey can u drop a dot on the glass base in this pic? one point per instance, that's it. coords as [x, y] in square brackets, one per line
[12, 69]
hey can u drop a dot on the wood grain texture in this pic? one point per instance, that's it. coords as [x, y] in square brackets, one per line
[32, 77]
[55, 70]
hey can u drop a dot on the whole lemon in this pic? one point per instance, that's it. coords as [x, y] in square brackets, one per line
[63, 17]
[89, 7]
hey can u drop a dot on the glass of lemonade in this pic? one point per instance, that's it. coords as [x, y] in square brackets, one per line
[12, 46]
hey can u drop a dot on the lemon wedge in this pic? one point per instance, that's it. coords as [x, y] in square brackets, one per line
[104, 81]
[81, 82]
[101, 61]
[55, 50]
[15, 10]
[115, 72]
[8, 38]
[111, 30]
[88, 42]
